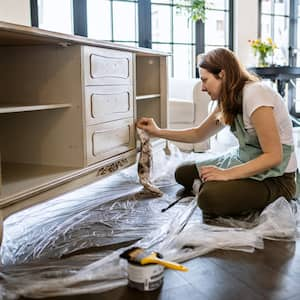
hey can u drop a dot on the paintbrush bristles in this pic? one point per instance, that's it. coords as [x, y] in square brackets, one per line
[132, 254]
[137, 254]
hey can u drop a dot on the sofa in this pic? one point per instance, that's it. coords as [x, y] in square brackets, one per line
[188, 106]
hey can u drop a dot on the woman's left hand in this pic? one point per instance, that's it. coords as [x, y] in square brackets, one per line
[213, 173]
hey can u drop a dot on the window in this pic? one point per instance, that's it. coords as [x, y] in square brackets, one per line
[99, 19]
[217, 25]
[63, 12]
[280, 19]
[275, 18]
[146, 23]
[295, 57]
[176, 33]
[113, 20]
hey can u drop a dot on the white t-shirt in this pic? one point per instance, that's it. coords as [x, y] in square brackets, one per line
[257, 94]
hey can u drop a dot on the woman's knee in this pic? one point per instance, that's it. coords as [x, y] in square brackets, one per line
[179, 174]
[185, 174]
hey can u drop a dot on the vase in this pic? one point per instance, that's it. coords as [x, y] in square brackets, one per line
[262, 59]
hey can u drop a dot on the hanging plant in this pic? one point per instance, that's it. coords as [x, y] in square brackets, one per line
[195, 9]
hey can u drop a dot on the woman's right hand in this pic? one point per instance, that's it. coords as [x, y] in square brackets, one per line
[149, 125]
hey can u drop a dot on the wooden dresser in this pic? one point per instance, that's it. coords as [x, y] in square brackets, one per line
[68, 105]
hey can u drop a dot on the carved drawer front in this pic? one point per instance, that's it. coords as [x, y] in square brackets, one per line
[109, 139]
[105, 66]
[108, 103]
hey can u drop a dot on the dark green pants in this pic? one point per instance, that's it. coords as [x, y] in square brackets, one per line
[236, 197]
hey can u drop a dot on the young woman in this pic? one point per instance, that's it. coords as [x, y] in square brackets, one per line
[263, 167]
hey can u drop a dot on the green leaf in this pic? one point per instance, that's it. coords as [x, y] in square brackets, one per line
[195, 9]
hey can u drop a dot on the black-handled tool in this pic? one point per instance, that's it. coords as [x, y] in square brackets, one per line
[182, 193]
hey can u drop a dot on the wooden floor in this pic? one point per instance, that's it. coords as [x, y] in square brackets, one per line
[272, 273]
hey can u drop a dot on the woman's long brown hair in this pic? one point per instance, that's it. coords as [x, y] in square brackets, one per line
[235, 78]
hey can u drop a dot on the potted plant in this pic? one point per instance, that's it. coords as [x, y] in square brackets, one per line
[263, 49]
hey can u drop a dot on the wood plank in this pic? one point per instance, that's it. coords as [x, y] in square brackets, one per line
[17, 177]
[282, 257]
[150, 96]
[14, 34]
[216, 283]
[11, 108]
[252, 270]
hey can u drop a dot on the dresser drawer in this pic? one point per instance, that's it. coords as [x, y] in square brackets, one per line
[109, 139]
[108, 103]
[106, 66]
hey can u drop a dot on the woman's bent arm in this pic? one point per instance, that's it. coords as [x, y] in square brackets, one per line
[206, 129]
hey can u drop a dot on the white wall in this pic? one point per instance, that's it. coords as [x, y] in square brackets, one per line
[246, 28]
[15, 11]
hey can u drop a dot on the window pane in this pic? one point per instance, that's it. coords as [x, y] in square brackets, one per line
[183, 28]
[281, 38]
[183, 61]
[216, 28]
[161, 23]
[218, 4]
[56, 15]
[208, 48]
[297, 104]
[266, 27]
[281, 7]
[162, 1]
[125, 25]
[266, 6]
[99, 19]
[281, 30]
[298, 53]
[298, 36]
[162, 47]
[280, 34]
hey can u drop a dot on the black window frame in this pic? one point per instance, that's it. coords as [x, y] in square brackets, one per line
[79, 16]
[144, 24]
[292, 56]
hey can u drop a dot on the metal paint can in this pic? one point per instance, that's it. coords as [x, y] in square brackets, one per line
[145, 277]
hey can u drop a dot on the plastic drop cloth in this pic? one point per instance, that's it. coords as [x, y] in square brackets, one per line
[38, 257]
[116, 209]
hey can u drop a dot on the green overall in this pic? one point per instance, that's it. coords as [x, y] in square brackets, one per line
[249, 148]
[240, 196]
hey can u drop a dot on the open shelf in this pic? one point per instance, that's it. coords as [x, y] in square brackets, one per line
[145, 97]
[19, 179]
[12, 108]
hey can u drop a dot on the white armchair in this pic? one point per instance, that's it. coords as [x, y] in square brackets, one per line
[188, 106]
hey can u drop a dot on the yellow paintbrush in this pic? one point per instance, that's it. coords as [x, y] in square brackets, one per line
[141, 256]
